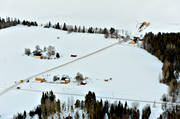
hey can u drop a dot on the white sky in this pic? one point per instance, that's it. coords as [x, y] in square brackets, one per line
[99, 12]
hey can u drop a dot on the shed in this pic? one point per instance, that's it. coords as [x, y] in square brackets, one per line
[73, 55]
[40, 79]
[67, 80]
[38, 57]
[83, 82]
[106, 80]
[64, 82]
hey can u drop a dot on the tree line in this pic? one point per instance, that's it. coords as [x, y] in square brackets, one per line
[90, 107]
[172, 113]
[166, 47]
[9, 22]
[99, 109]
[112, 32]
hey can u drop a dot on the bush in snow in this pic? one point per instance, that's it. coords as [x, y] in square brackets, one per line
[45, 53]
[112, 30]
[27, 51]
[37, 47]
[45, 49]
[55, 78]
[79, 77]
[51, 51]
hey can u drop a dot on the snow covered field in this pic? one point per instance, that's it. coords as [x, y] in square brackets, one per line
[15, 66]
[134, 72]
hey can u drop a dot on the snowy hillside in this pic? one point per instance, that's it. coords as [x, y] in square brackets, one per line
[14, 40]
[119, 72]
[134, 72]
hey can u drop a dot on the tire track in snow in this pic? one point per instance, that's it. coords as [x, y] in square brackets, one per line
[60, 66]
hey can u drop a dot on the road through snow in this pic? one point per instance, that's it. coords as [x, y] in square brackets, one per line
[60, 66]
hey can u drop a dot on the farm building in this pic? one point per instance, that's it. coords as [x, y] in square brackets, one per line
[73, 55]
[106, 80]
[38, 57]
[40, 79]
[65, 80]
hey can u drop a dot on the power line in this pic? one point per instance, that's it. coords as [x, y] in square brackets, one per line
[105, 97]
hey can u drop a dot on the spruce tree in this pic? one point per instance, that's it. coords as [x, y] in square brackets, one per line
[75, 28]
[57, 26]
[84, 29]
[79, 29]
[57, 55]
[64, 27]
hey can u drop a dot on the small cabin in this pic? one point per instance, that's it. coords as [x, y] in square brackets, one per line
[83, 82]
[65, 80]
[38, 57]
[106, 80]
[64, 77]
[40, 79]
[73, 55]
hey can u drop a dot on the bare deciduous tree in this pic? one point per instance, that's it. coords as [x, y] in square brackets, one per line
[27, 51]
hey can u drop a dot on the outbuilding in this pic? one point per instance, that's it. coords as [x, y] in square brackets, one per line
[40, 79]
[83, 82]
